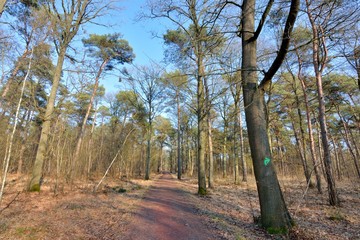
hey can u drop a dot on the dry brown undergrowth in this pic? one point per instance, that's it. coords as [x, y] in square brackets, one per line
[230, 209]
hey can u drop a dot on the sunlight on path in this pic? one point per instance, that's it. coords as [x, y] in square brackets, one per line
[165, 213]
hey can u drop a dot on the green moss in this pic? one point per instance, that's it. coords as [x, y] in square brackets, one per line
[202, 191]
[35, 188]
[279, 230]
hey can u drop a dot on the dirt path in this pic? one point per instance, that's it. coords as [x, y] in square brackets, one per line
[167, 213]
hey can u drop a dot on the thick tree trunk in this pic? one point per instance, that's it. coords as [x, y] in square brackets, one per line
[274, 213]
[201, 138]
[46, 125]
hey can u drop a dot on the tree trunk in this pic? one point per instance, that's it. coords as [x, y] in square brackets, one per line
[274, 213]
[333, 197]
[83, 125]
[211, 157]
[300, 141]
[319, 62]
[178, 136]
[225, 154]
[236, 138]
[347, 141]
[148, 149]
[201, 133]
[46, 125]
[13, 74]
[310, 128]
[241, 139]
[11, 141]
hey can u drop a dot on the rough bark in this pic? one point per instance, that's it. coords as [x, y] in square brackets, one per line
[201, 134]
[46, 125]
[274, 213]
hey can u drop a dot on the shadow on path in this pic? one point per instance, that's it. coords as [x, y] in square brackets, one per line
[166, 213]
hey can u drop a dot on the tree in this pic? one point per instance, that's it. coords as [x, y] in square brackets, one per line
[163, 129]
[274, 214]
[66, 18]
[323, 20]
[177, 82]
[9, 149]
[147, 84]
[195, 39]
[31, 26]
[301, 36]
[109, 50]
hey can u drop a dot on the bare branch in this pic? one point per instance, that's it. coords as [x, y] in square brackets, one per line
[294, 9]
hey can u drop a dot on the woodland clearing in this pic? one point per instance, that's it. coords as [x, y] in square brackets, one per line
[228, 211]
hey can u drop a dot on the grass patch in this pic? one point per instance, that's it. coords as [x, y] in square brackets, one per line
[119, 189]
[3, 226]
[75, 206]
[336, 215]
[29, 232]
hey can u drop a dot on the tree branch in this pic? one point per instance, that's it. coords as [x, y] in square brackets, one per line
[262, 21]
[294, 9]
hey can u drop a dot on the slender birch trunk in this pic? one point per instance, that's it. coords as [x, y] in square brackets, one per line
[9, 150]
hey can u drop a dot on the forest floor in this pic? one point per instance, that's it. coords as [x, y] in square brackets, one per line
[125, 210]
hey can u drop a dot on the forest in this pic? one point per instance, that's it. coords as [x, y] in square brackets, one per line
[254, 105]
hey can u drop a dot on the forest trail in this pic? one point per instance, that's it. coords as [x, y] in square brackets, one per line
[166, 213]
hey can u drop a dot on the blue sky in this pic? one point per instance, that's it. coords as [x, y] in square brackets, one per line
[139, 34]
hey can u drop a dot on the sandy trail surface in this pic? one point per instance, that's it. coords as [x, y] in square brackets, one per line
[167, 212]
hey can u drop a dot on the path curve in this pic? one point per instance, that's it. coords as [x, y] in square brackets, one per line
[167, 213]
